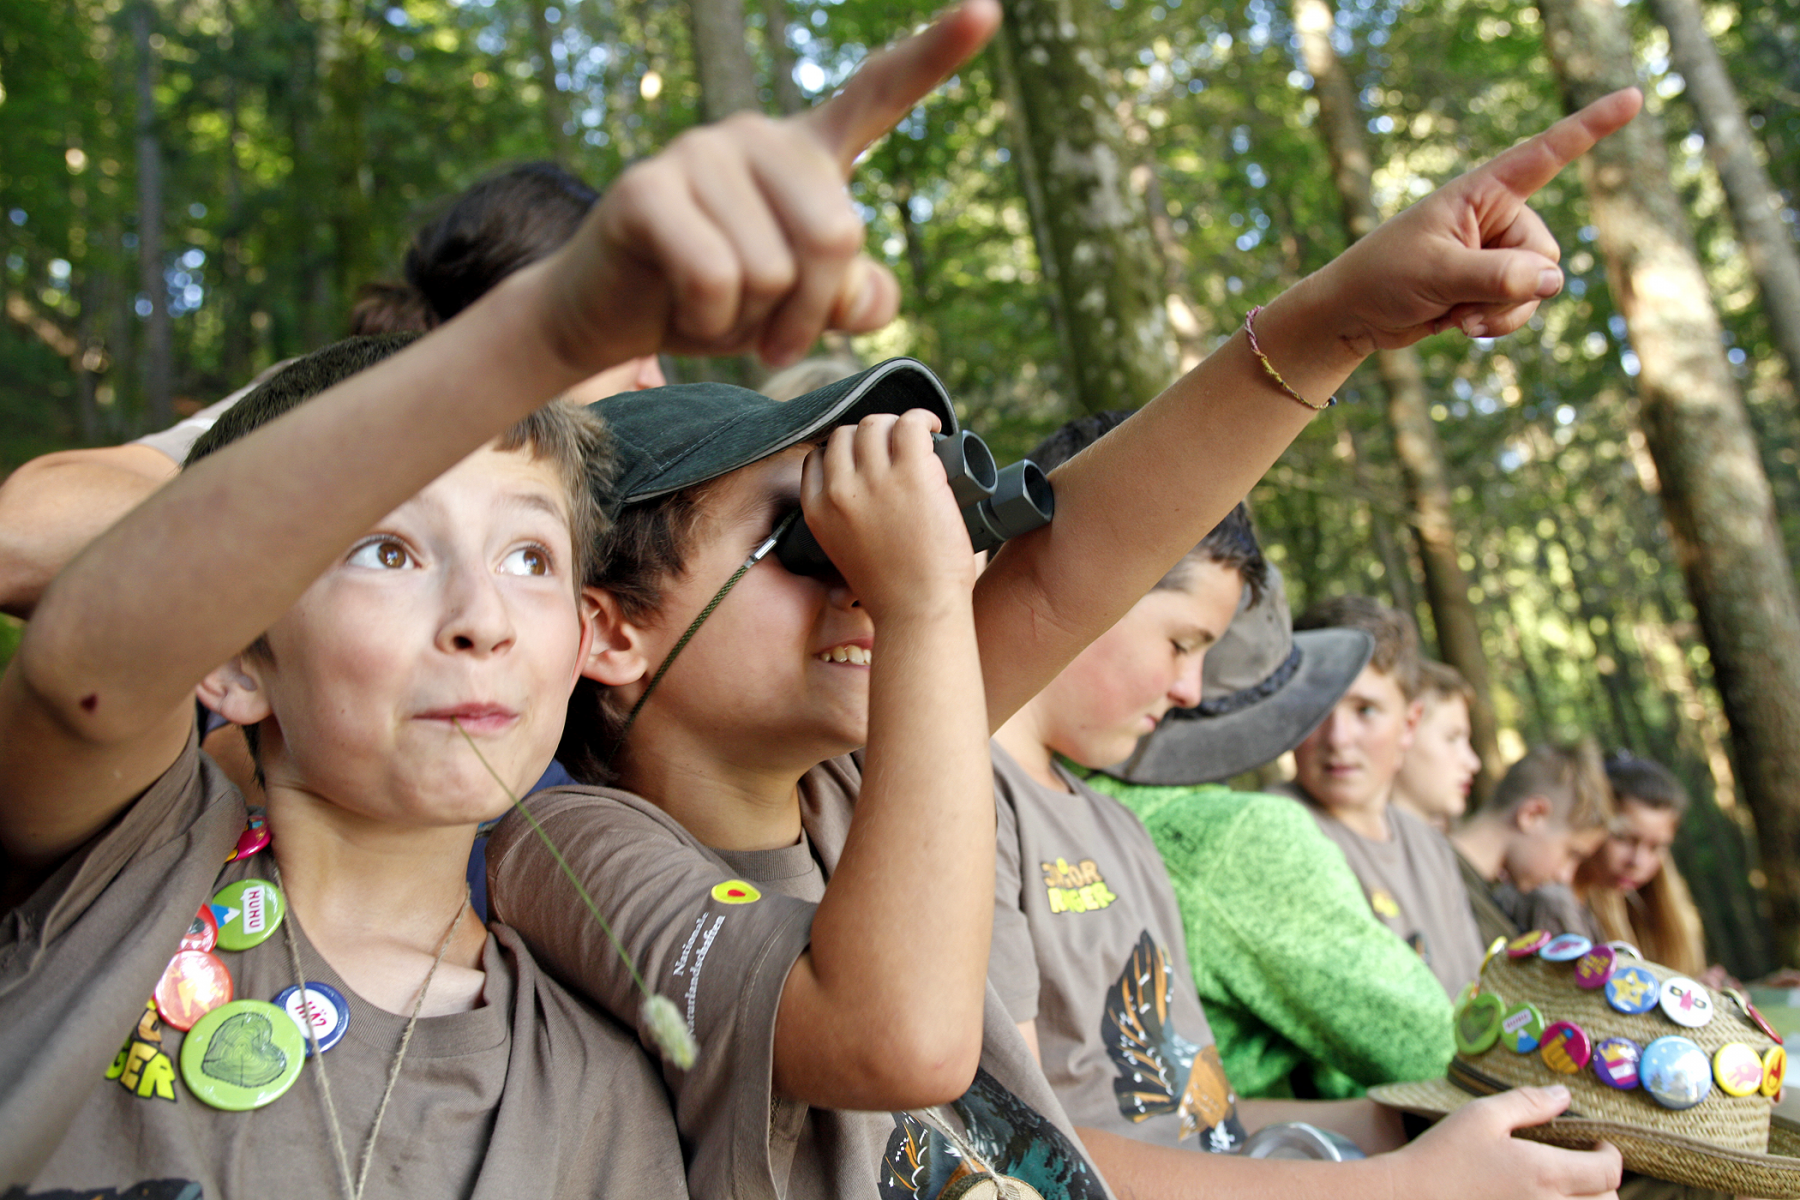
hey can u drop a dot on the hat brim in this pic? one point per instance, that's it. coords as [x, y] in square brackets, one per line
[1187, 749]
[1775, 1175]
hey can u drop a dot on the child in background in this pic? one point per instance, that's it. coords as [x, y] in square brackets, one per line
[1549, 812]
[826, 918]
[1344, 774]
[1089, 946]
[1440, 766]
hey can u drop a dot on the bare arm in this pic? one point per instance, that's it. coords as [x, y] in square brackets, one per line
[1374, 1128]
[53, 506]
[1471, 255]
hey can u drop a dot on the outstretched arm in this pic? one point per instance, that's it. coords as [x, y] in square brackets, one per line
[1471, 254]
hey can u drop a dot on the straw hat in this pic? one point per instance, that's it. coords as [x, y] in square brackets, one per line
[1723, 1141]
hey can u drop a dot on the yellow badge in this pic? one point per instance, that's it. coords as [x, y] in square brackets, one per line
[1384, 904]
[735, 891]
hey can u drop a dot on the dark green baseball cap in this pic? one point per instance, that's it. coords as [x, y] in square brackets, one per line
[668, 438]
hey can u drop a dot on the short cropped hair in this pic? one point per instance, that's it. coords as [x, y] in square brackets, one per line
[1231, 543]
[1645, 781]
[1570, 777]
[1396, 636]
[1441, 681]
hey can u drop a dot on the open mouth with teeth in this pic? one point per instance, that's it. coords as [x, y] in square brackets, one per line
[854, 655]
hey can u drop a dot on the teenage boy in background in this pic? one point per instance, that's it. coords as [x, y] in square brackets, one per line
[1344, 773]
[1440, 766]
[1549, 813]
[378, 578]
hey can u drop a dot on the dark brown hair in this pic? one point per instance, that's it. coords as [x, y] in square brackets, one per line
[1570, 777]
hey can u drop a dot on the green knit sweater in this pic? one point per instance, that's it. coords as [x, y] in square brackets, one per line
[1296, 974]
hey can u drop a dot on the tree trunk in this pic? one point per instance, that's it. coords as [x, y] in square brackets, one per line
[158, 360]
[722, 58]
[1715, 494]
[1416, 442]
[788, 98]
[556, 105]
[1755, 204]
[1091, 225]
[344, 53]
[1396, 568]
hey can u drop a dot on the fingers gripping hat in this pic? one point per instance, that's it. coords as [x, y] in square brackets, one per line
[1678, 1077]
[1263, 689]
[669, 438]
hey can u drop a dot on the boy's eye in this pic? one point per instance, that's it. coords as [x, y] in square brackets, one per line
[382, 554]
[526, 560]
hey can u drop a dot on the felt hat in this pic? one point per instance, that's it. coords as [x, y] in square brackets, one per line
[1263, 689]
[1614, 1069]
[668, 438]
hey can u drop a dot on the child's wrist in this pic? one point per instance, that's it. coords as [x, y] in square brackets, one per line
[1310, 334]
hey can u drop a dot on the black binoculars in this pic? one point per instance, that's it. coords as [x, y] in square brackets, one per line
[996, 503]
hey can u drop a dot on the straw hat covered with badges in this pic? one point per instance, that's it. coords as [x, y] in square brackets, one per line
[1679, 1077]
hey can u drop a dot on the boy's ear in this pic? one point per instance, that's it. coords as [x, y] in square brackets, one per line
[234, 690]
[1415, 712]
[614, 653]
[1532, 814]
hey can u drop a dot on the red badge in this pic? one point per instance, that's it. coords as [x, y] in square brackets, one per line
[203, 934]
[193, 984]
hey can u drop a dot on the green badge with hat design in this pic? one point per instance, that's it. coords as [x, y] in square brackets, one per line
[242, 1055]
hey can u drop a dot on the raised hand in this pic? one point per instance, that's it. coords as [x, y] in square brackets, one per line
[740, 236]
[1472, 254]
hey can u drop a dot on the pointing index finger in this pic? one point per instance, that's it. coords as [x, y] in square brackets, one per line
[1535, 162]
[888, 86]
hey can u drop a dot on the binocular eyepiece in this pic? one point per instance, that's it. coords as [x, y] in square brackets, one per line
[997, 503]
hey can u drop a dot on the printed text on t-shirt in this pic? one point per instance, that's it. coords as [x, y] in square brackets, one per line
[1078, 888]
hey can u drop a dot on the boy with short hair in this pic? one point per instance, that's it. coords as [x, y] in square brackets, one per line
[825, 917]
[1344, 773]
[1549, 812]
[385, 582]
[1440, 765]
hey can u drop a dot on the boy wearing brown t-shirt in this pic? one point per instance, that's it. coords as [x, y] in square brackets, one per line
[1344, 773]
[390, 575]
[829, 963]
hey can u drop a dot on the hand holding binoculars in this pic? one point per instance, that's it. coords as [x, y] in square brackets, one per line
[996, 503]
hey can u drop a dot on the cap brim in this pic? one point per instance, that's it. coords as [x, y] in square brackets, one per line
[1775, 1175]
[1187, 749]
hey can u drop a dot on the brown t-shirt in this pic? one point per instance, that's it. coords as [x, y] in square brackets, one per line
[1492, 920]
[1120, 1028]
[1414, 886]
[718, 933]
[533, 1093]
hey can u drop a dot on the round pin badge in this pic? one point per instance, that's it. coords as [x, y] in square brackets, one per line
[248, 911]
[330, 1013]
[193, 984]
[242, 1055]
[1566, 1047]
[1527, 943]
[1616, 1062]
[1478, 1023]
[1686, 1002]
[1463, 997]
[1625, 947]
[1753, 1016]
[1594, 968]
[1676, 1072]
[1633, 990]
[1522, 1028]
[203, 932]
[1774, 1070]
[1565, 947]
[250, 841]
[1738, 1069]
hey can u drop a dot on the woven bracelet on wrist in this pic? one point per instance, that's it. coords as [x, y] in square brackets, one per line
[1269, 367]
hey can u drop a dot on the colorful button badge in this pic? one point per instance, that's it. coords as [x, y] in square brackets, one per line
[203, 932]
[193, 984]
[1522, 1028]
[1616, 1062]
[1478, 1023]
[248, 911]
[330, 1014]
[1527, 943]
[1676, 1072]
[1753, 1016]
[1625, 947]
[1566, 1047]
[1774, 1070]
[1594, 968]
[1686, 1002]
[253, 839]
[1565, 947]
[242, 1055]
[1738, 1069]
[1633, 990]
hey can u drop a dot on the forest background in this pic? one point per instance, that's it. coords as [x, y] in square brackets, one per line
[191, 190]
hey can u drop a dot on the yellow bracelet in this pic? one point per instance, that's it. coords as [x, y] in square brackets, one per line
[1269, 367]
